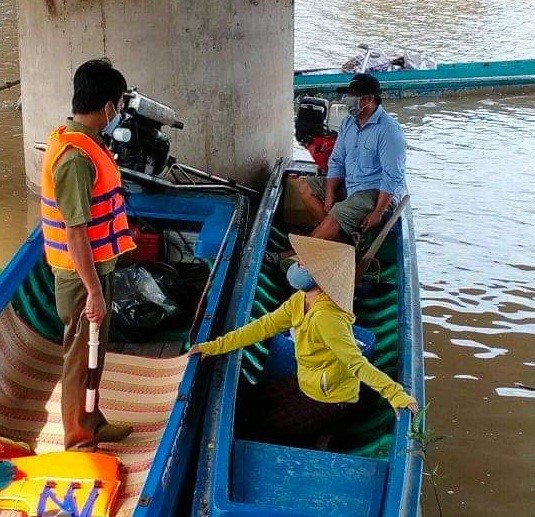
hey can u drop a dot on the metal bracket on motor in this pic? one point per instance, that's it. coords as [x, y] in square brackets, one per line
[159, 182]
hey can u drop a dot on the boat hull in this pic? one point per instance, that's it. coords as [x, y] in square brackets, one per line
[377, 476]
[446, 80]
[220, 223]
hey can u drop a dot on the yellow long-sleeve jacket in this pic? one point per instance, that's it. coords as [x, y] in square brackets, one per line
[330, 366]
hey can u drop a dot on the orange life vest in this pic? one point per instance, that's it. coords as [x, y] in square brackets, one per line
[82, 484]
[108, 231]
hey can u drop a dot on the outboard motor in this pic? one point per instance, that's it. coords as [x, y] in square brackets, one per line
[312, 132]
[141, 150]
[311, 119]
[138, 141]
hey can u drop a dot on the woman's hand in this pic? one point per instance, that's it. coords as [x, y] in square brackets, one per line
[412, 407]
[194, 350]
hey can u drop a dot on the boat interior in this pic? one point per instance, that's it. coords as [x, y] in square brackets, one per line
[358, 451]
[172, 286]
[376, 311]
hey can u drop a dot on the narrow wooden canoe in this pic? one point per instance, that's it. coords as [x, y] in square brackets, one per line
[161, 395]
[446, 79]
[369, 470]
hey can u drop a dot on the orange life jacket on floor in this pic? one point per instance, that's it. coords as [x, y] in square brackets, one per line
[108, 231]
[82, 484]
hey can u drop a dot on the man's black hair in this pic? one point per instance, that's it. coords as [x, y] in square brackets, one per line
[96, 82]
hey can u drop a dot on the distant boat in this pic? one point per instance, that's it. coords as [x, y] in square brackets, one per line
[446, 79]
[160, 395]
[369, 470]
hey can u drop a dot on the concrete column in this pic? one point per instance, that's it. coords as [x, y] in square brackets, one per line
[226, 65]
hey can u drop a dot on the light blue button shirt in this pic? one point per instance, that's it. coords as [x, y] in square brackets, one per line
[371, 157]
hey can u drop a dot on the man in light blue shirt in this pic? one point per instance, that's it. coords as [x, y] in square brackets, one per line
[366, 173]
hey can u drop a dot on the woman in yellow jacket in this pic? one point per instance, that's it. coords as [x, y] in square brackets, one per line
[330, 365]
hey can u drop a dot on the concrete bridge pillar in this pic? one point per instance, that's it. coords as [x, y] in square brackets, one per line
[227, 65]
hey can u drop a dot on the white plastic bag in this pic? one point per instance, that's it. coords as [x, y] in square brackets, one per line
[416, 60]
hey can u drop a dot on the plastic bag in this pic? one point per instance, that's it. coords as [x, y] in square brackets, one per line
[377, 61]
[415, 60]
[139, 304]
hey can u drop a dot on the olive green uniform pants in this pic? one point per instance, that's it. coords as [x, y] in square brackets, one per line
[80, 427]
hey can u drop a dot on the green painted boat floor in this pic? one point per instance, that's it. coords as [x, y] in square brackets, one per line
[34, 303]
[371, 435]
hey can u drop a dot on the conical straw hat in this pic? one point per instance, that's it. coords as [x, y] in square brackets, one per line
[331, 264]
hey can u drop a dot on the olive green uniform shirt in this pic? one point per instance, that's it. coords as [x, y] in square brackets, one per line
[74, 176]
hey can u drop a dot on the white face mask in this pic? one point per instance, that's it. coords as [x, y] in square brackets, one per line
[353, 105]
[109, 128]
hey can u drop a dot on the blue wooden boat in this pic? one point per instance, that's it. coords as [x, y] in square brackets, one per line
[446, 79]
[211, 220]
[369, 470]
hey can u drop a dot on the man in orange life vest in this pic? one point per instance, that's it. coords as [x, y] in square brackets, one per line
[85, 230]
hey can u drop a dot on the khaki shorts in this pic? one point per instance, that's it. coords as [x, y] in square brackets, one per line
[349, 212]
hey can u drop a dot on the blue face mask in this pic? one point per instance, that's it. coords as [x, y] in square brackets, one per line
[300, 278]
[112, 124]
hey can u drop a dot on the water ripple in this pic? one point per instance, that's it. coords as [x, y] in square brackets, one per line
[515, 392]
[490, 352]
[444, 29]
